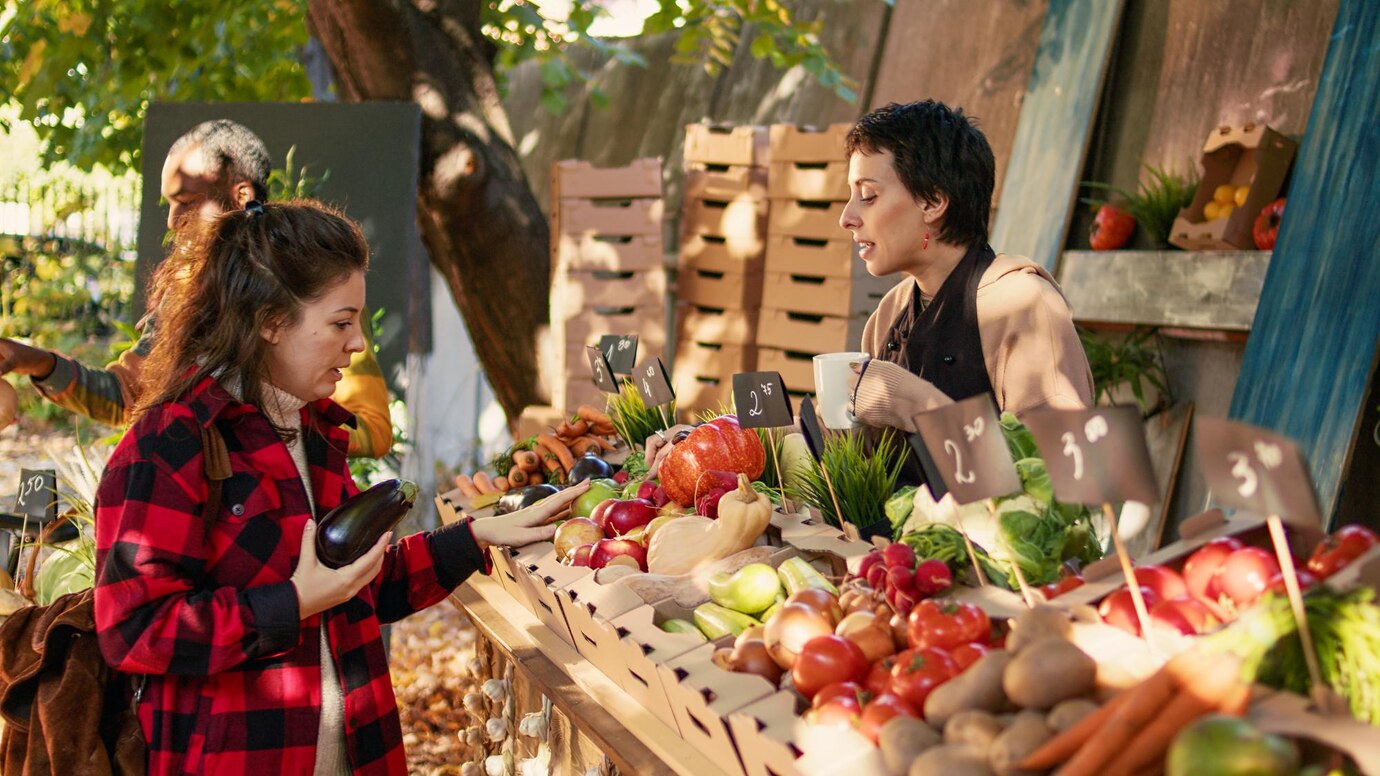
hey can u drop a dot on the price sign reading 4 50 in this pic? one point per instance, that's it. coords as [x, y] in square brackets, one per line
[653, 383]
[961, 448]
[1095, 456]
[760, 400]
[1251, 468]
[621, 351]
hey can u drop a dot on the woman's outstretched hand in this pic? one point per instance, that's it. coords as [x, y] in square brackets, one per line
[528, 525]
[319, 587]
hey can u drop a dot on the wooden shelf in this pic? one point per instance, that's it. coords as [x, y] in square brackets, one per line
[634, 740]
[1198, 292]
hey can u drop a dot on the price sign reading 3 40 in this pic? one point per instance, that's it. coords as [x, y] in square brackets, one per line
[1096, 456]
[760, 400]
[962, 450]
[1251, 468]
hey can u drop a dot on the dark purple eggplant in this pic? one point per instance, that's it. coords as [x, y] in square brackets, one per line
[349, 530]
[522, 498]
[588, 467]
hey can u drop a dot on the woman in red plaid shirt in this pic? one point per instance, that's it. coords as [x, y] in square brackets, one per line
[259, 659]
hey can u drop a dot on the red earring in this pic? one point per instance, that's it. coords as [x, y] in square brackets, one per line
[924, 246]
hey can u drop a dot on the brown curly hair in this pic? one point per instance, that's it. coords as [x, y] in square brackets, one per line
[228, 278]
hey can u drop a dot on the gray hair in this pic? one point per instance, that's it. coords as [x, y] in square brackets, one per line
[232, 151]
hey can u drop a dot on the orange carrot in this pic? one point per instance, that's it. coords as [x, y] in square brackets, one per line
[483, 483]
[527, 460]
[1063, 745]
[535, 478]
[466, 486]
[1154, 739]
[517, 477]
[558, 448]
[501, 484]
[563, 430]
[584, 444]
[579, 428]
[604, 444]
[593, 415]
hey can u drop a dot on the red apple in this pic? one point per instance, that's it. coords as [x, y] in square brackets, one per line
[1185, 615]
[620, 517]
[1119, 610]
[580, 557]
[598, 514]
[1200, 570]
[608, 549]
[708, 503]
[575, 532]
[646, 489]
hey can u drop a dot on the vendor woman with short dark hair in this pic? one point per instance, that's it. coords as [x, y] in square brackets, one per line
[963, 320]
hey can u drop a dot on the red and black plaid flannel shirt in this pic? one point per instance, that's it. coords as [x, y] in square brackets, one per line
[234, 677]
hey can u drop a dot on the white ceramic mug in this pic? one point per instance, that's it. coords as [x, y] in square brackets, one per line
[834, 380]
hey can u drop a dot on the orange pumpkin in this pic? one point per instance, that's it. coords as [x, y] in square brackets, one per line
[719, 445]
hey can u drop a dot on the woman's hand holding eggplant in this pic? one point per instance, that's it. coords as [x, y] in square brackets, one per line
[320, 587]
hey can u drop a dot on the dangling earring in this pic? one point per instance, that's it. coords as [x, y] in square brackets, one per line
[924, 246]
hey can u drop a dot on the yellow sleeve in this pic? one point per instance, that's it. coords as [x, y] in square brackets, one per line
[363, 392]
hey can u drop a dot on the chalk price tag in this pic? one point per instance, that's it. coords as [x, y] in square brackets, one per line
[809, 428]
[761, 401]
[37, 496]
[621, 352]
[1251, 468]
[962, 449]
[600, 370]
[653, 383]
[1095, 456]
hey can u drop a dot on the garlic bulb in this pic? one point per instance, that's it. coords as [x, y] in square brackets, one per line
[474, 736]
[533, 725]
[496, 728]
[496, 689]
[471, 769]
[474, 703]
[533, 767]
[498, 765]
[476, 666]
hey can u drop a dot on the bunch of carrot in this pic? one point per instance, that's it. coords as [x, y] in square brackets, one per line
[1131, 733]
[549, 456]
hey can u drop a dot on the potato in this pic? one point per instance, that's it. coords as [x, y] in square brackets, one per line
[1024, 735]
[1038, 623]
[1066, 714]
[978, 689]
[902, 739]
[1046, 672]
[974, 728]
[951, 760]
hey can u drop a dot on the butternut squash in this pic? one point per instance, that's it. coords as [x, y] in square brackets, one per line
[687, 543]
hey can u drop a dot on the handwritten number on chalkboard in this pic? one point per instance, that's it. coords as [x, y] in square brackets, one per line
[1241, 469]
[1072, 450]
[959, 476]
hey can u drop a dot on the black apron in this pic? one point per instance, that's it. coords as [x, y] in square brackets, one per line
[942, 343]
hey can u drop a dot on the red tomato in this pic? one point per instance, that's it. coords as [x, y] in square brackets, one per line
[965, 655]
[841, 711]
[1246, 574]
[1306, 581]
[838, 689]
[878, 679]
[918, 671]
[882, 710]
[1119, 610]
[1111, 228]
[1337, 551]
[825, 660]
[1200, 570]
[1186, 615]
[1065, 584]
[947, 624]
[1166, 582]
[1266, 227]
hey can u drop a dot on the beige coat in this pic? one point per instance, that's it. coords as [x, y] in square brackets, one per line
[1033, 355]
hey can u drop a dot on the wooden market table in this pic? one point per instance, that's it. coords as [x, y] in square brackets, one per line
[634, 740]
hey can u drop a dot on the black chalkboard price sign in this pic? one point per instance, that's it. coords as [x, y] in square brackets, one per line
[600, 371]
[760, 400]
[962, 448]
[1095, 456]
[653, 383]
[621, 351]
[37, 497]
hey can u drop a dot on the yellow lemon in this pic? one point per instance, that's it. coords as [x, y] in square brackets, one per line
[1224, 194]
[1241, 193]
[1211, 211]
[1225, 210]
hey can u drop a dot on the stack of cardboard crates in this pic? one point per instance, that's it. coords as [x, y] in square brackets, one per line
[817, 295]
[719, 277]
[610, 275]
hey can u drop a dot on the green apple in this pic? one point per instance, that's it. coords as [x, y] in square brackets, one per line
[599, 490]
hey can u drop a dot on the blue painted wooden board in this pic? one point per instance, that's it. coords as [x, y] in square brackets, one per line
[1056, 121]
[1314, 338]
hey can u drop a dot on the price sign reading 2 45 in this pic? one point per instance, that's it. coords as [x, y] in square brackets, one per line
[760, 400]
[962, 449]
[1096, 456]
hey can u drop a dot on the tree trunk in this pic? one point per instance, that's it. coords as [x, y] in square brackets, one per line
[477, 214]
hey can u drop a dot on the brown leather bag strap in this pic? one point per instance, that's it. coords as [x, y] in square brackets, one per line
[216, 458]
